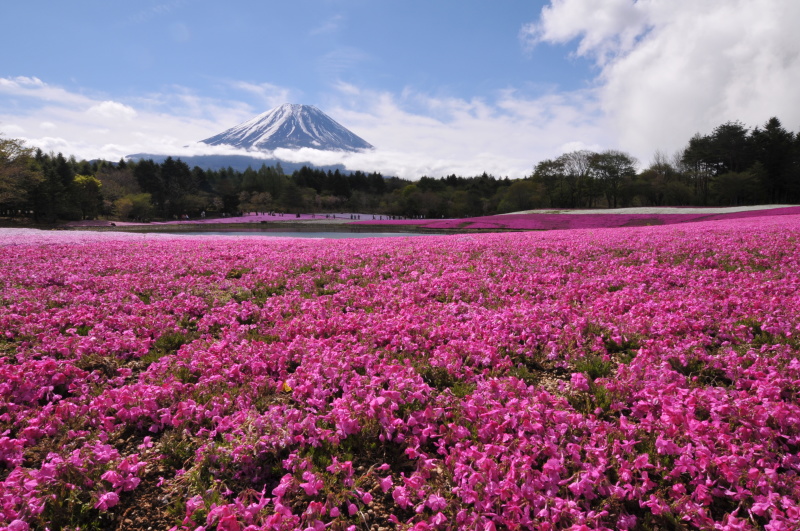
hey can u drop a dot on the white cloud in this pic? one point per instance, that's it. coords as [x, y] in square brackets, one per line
[671, 68]
[346, 88]
[505, 137]
[580, 146]
[11, 129]
[271, 95]
[113, 110]
[604, 26]
[415, 134]
[55, 119]
[32, 87]
[331, 25]
[21, 81]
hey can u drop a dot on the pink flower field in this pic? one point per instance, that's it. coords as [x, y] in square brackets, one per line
[630, 378]
[566, 220]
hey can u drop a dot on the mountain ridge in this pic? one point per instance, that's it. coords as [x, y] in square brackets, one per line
[236, 162]
[290, 126]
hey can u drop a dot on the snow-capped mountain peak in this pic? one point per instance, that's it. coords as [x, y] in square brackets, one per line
[290, 126]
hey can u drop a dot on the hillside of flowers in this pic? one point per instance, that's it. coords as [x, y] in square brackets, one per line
[633, 378]
[567, 220]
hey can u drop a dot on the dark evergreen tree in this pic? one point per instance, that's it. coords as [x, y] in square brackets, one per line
[377, 184]
[291, 197]
[178, 183]
[773, 146]
[731, 149]
[338, 184]
[147, 175]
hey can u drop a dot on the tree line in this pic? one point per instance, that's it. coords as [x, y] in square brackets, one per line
[731, 166]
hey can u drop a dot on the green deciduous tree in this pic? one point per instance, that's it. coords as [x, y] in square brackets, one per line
[19, 177]
[134, 206]
[551, 174]
[87, 196]
[614, 169]
[522, 195]
[577, 167]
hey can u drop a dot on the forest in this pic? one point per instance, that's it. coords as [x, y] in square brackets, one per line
[730, 166]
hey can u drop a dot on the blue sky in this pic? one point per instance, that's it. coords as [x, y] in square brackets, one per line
[437, 86]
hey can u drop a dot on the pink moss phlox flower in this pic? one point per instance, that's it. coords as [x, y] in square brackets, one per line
[107, 500]
[546, 380]
[385, 483]
[311, 484]
[579, 381]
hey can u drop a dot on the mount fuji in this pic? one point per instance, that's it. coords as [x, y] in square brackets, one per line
[290, 126]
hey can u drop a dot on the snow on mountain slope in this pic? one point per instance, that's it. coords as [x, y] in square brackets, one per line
[290, 126]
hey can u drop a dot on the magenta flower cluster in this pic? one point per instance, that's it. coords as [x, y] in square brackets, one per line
[631, 378]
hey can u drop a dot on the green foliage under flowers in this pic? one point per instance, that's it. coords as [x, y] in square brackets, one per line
[167, 344]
